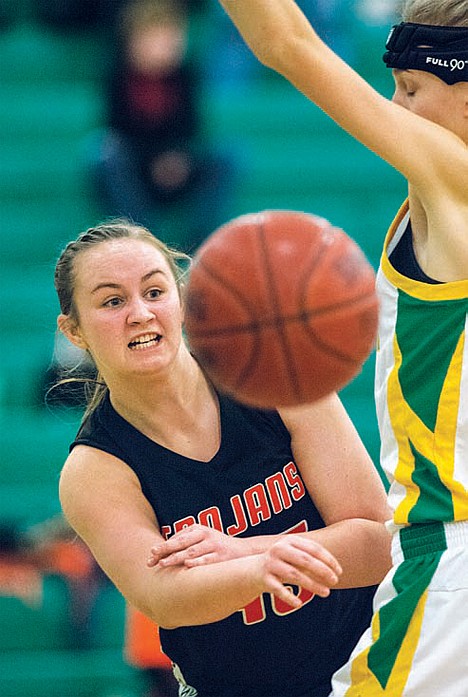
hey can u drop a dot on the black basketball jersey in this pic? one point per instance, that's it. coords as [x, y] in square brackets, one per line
[251, 487]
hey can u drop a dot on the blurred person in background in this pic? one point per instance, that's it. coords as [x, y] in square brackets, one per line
[77, 15]
[153, 163]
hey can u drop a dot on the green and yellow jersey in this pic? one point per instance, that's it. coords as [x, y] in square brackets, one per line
[422, 391]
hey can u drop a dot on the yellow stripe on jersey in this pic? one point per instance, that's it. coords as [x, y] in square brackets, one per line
[455, 290]
[422, 367]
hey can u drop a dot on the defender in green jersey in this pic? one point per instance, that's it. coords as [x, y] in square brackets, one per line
[417, 645]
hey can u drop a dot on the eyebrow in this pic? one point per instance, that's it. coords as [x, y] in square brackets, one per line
[144, 278]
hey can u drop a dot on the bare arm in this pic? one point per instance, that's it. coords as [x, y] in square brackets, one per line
[102, 500]
[283, 39]
[345, 487]
[361, 545]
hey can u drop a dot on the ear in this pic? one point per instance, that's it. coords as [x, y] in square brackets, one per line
[71, 330]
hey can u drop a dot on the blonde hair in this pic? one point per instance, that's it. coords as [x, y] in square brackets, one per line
[436, 12]
[115, 229]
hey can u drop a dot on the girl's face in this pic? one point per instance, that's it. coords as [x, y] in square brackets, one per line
[129, 309]
[428, 96]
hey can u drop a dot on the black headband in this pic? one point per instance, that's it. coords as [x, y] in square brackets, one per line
[440, 50]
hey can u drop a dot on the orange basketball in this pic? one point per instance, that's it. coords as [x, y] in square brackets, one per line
[281, 308]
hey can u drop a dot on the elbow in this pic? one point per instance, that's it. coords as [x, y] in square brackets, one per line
[160, 609]
[372, 558]
[165, 618]
[377, 509]
[378, 539]
[170, 613]
[270, 48]
[168, 623]
[284, 53]
[268, 52]
[384, 514]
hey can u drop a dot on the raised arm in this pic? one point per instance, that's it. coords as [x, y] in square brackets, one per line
[283, 39]
[102, 500]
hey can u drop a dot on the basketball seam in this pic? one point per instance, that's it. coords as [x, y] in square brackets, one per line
[305, 314]
[224, 283]
[290, 363]
[254, 328]
[286, 319]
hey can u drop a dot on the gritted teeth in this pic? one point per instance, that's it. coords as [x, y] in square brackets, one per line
[144, 341]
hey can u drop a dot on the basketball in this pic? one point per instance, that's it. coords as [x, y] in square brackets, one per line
[281, 308]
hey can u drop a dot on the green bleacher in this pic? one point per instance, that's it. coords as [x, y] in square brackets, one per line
[294, 157]
[49, 90]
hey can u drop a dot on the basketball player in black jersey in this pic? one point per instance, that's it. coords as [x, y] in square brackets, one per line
[292, 493]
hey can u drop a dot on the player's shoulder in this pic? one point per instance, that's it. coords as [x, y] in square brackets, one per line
[87, 477]
[87, 464]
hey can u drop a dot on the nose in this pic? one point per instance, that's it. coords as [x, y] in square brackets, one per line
[139, 312]
[396, 97]
[399, 96]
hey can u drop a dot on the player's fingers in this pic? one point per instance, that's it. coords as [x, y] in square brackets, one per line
[280, 585]
[192, 552]
[309, 555]
[317, 551]
[294, 575]
[291, 563]
[179, 542]
[315, 568]
[286, 594]
[210, 558]
[158, 553]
